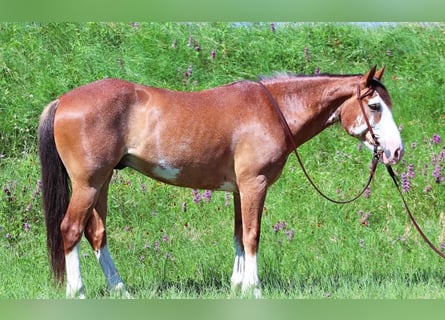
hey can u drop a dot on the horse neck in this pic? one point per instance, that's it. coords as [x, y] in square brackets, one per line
[310, 103]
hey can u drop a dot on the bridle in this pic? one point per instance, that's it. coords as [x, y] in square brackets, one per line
[377, 154]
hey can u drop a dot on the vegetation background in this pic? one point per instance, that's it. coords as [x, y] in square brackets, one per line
[170, 242]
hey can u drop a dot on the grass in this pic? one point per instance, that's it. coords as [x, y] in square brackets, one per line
[168, 246]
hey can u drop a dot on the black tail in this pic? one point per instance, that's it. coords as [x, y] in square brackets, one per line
[55, 189]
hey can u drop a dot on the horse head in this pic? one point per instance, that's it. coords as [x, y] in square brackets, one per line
[367, 115]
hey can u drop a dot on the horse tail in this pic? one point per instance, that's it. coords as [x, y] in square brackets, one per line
[55, 190]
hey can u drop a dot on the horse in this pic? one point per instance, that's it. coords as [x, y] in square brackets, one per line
[226, 138]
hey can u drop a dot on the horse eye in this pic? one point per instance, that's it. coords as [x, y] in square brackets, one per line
[374, 106]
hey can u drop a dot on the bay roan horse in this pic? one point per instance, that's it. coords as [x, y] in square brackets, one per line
[226, 138]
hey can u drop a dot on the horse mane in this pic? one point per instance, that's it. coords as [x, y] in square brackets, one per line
[291, 75]
[376, 84]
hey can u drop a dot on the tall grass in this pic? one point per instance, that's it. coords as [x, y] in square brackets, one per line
[165, 242]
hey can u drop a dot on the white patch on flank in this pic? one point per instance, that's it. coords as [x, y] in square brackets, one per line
[165, 171]
[74, 285]
[228, 186]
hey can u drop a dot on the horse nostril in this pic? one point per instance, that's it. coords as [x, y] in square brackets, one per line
[397, 154]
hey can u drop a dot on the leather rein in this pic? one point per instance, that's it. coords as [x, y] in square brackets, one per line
[377, 154]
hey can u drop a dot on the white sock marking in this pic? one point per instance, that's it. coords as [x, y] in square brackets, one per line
[112, 276]
[238, 267]
[74, 285]
[251, 280]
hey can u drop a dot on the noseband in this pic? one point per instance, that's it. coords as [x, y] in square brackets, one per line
[377, 149]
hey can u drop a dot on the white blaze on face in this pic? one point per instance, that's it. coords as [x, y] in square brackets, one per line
[385, 130]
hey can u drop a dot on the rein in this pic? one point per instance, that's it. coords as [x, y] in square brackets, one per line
[413, 220]
[289, 135]
[377, 154]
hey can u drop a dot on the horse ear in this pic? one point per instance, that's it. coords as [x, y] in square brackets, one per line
[367, 78]
[379, 73]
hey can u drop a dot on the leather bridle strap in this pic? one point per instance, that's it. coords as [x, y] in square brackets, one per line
[290, 137]
[416, 225]
[360, 97]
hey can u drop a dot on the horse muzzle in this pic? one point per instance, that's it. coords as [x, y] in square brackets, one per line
[392, 154]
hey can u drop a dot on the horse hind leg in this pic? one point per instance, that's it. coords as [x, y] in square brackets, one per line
[79, 210]
[95, 232]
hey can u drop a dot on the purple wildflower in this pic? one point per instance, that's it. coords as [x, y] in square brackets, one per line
[428, 188]
[26, 227]
[196, 196]
[317, 70]
[213, 54]
[437, 173]
[8, 193]
[433, 159]
[207, 195]
[362, 243]
[435, 139]
[406, 184]
[280, 225]
[187, 74]
[410, 171]
[290, 234]
[164, 238]
[156, 246]
[367, 193]
[143, 188]
[442, 154]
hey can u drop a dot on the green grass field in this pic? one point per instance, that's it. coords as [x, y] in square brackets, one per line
[166, 245]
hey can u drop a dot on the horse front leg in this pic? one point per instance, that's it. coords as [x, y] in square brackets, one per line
[238, 266]
[252, 196]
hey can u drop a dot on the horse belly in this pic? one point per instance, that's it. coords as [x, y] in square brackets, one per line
[185, 174]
